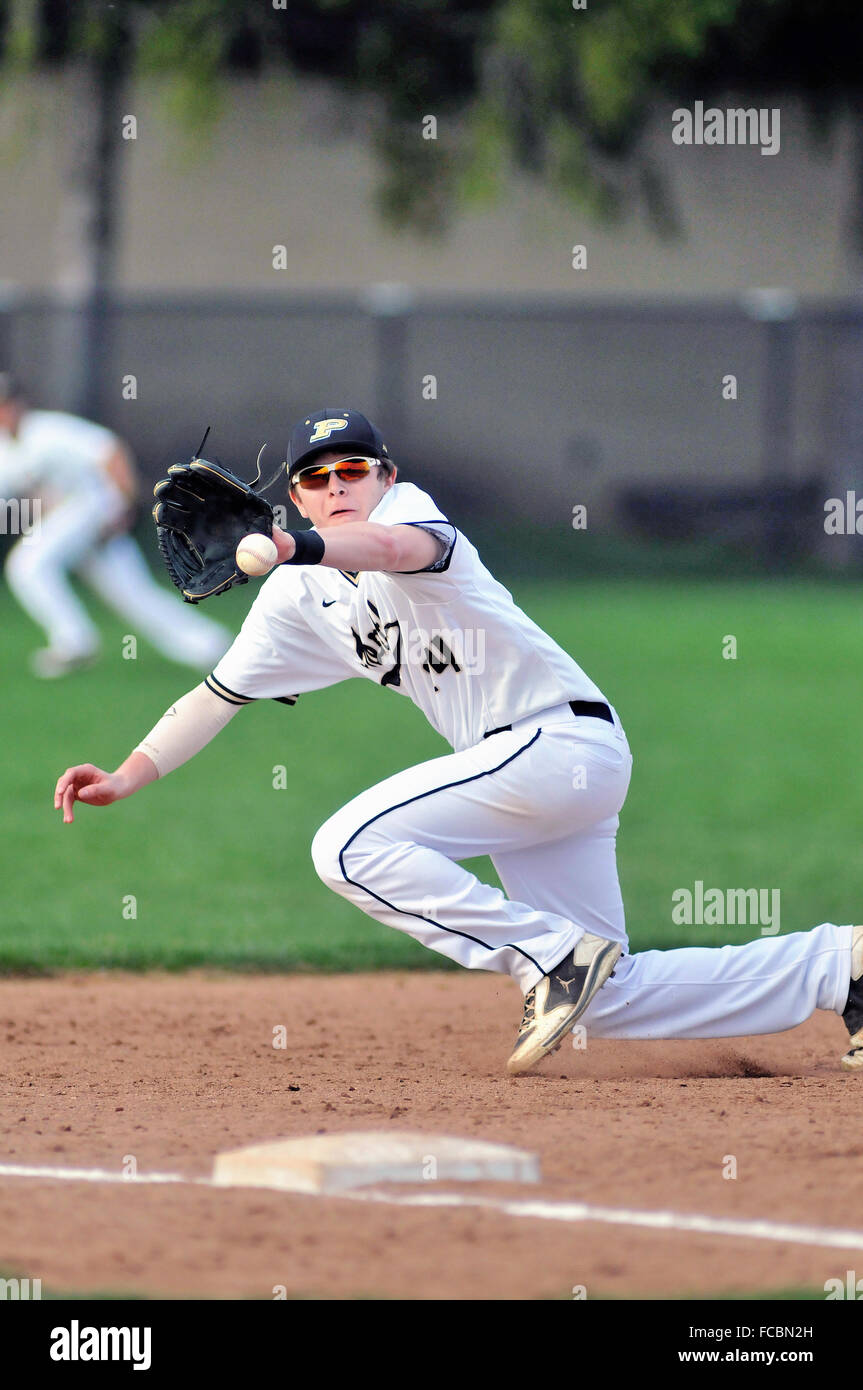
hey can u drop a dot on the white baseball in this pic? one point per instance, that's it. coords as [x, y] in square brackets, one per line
[256, 554]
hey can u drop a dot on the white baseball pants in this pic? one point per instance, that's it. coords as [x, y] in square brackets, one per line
[542, 801]
[69, 538]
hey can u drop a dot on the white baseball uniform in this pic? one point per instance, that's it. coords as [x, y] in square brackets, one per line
[530, 783]
[62, 458]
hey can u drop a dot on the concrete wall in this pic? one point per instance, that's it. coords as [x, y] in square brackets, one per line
[291, 163]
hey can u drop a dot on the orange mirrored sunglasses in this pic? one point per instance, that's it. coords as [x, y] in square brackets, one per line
[349, 470]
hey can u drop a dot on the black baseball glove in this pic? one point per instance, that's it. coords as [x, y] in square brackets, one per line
[202, 513]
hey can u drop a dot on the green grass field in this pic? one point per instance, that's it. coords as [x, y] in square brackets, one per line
[747, 774]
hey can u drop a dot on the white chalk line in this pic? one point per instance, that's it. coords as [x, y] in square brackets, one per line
[531, 1208]
[20, 1170]
[622, 1216]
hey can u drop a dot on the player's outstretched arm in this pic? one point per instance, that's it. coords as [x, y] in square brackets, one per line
[368, 546]
[186, 728]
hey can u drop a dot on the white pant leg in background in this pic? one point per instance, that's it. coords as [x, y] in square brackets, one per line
[121, 577]
[531, 792]
[764, 986]
[37, 568]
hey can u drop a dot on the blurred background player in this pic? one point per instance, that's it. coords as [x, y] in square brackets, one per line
[86, 480]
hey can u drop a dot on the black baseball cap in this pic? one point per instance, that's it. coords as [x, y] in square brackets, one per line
[333, 429]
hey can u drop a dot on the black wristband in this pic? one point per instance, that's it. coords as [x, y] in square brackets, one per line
[309, 548]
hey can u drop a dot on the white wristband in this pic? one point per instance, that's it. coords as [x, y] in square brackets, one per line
[186, 728]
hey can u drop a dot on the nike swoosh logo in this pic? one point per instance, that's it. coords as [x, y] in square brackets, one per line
[327, 603]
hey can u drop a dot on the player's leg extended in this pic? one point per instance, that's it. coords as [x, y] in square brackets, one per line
[764, 986]
[393, 850]
[37, 570]
[120, 575]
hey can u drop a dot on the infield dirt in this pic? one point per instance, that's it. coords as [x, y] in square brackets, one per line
[170, 1070]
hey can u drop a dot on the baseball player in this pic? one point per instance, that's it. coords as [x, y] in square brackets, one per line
[383, 586]
[85, 479]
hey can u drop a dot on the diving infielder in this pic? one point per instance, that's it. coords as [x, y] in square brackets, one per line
[85, 479]
[385, 587]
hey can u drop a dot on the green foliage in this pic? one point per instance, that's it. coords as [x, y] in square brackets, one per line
[188, 45]
[535, 85]
[484, 156]
[571, 88]
[21, 37]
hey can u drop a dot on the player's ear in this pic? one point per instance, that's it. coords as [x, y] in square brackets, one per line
[295, 498]
[390, 479]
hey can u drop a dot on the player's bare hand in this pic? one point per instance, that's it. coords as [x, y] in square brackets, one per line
[284, 543]
[88, 784]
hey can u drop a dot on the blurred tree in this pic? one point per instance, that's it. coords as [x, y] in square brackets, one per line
[557, 87]
[560, 88]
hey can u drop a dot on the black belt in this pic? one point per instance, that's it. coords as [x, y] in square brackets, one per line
[595, 708]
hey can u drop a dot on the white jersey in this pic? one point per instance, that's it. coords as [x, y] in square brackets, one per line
[449, 637]
[54, 454]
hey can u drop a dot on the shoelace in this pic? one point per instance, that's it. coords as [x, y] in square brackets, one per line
[529, 1011]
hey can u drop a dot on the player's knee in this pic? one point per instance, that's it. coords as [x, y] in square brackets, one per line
[349, 858]
[19, 565]
[326, 849]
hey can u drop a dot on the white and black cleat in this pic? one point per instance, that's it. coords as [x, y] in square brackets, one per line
[557, 1002]
[50, 664]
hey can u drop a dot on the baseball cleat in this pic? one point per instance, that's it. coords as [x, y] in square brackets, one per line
[853, 1014]
[50, 664]
[559, 999]
[853, 1059]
